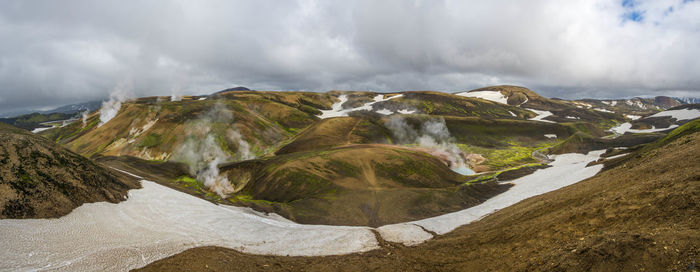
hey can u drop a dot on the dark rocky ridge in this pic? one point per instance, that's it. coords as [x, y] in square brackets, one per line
[39, 179]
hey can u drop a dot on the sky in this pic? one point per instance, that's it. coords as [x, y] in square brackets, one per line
[61, 52]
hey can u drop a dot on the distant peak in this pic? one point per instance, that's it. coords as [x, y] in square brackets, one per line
[239, 88]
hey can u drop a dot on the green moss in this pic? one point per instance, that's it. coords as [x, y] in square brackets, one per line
[428, 107]
[151, 140]
[343, 168]
[492, 175]
[243, 197]
[687, 128]
[513, 155]
[309, 110]
[189, 182]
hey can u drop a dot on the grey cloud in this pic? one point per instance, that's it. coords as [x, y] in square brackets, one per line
[57, 52]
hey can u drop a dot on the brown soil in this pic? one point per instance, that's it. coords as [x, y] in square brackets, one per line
[640, 215]
[39, 179]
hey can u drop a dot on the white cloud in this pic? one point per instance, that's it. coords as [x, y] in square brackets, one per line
[62, 51]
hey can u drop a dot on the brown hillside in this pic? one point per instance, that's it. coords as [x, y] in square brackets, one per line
[367, 185]
[39, 179]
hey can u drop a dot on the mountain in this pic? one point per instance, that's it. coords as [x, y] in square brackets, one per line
[551, 110]
[639, 214]
[67, 109]
[75, 108]
[364, 171]
[688, 100]
[39, 179]
[339, 157]
[35, 120]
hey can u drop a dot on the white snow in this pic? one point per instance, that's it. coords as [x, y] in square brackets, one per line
[540, 115]
[385, 112]
[157, 222]
[511, 113]
[627, 127]
[581, 105]
[633, 117]
[603, 110]
[566, 169]
[551, 136]
[494, 96]
[572, 117]
[202, 98]
[526, 99]
[40, 129]
[613, 103]
[682, 114]
[407, 233]
[337, 108]
[617, 156]
[406, 111]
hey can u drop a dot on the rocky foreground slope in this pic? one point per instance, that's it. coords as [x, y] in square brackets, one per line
[39, 179]
[640, 214]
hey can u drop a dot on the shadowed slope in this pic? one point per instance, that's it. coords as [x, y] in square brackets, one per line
[39, 179]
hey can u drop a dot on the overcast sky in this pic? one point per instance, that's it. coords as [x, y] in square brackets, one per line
[60, 52]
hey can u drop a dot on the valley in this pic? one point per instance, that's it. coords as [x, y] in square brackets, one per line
[315, 174]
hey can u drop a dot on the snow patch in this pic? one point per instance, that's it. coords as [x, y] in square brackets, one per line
[156, 222]
[603, 110]
[40, 129]
[566, 169]
[633, 117]
[617, 156]
[494, 96]
[338, 111]
[385, 112]
[682, 114]
[541, 115]
[627, 127]
[551, 136]
[406, 233]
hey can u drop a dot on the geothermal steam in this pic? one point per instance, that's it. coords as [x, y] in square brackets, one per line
[202, 150]
[432, 136]
[84, 116]
[111, 107]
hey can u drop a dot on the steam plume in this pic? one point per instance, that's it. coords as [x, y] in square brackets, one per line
[111, 107]
[84, 116]
[433, 135]
[202, 150]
